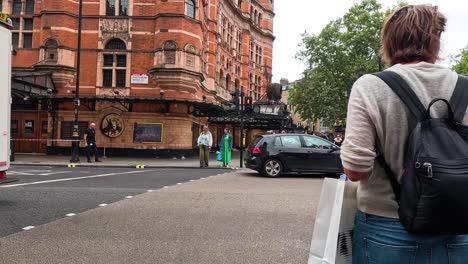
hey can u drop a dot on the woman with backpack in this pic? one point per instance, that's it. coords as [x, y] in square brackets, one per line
[375, 151]
[225, 146]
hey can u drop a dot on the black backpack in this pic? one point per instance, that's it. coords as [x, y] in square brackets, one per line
[433, 193]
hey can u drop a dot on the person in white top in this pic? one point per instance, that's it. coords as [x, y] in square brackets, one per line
[204, 142]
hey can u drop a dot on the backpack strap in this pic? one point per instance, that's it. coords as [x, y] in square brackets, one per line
[404, 92]
[459, 99]
[391, 177]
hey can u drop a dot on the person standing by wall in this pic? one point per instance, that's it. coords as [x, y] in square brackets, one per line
[90, 143]
[204, 142]
[225, 146]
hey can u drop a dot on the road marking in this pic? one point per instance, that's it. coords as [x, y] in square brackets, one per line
[129, 197]
[102, 205]
[165, 187]
[27, 228]
[179, 183]
[150, 191]
[37, 172]
[70, 214]
[72, 179]
[192, 180]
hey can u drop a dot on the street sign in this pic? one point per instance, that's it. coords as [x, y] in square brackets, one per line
[139, 78]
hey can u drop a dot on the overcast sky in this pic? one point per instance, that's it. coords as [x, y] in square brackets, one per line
[312, 15]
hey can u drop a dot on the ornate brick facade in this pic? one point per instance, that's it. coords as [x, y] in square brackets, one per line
[191, 51]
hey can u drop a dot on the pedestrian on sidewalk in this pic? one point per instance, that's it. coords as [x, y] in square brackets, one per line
[204, 142]
[378, 119]
[90, 143]
[338, 140]
[225, 146]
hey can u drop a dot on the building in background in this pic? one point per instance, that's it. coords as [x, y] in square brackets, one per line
[152, 71]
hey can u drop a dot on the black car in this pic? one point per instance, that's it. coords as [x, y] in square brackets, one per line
[274, 155]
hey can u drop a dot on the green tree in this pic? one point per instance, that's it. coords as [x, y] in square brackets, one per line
[461, 66]
[344, 50]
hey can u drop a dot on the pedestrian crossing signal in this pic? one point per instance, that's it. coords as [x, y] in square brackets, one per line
[248, 104]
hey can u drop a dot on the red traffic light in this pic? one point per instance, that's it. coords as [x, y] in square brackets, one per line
[248, 101]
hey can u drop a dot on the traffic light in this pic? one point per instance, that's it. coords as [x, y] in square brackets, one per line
[235, 99]
[248, 104]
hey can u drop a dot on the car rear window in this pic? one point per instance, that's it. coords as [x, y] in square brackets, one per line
[255, 141]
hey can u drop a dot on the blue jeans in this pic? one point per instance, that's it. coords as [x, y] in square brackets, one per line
[380, 240]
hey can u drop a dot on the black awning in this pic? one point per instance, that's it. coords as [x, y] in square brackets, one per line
[200, 108]
[31, 84]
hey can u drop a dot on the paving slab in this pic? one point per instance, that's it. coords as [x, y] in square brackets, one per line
[232, 218]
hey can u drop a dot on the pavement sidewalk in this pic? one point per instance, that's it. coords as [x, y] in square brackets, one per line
[232, 218]
[125, 162]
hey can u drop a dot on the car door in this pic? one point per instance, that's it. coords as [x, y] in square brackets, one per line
[322, 156]
[292, 154]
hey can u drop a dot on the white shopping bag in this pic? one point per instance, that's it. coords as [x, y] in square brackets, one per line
[332, 238]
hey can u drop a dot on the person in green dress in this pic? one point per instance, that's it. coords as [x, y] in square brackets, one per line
[225, 146]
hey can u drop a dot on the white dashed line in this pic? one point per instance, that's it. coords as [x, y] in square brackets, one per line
[192, 180]
[28, 228]
[102, 205]
[179, 183]
[165, 187]
[150, 190]
[129, 197]
[70, 214]
[72, 179]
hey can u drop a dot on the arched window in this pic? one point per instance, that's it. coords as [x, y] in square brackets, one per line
[116, 44]
[236, 85]
[190, 6]
[114, 67]
[170, 48]
[51, 46]
[255, 16]
[260, 19]
[228, 82]
[221, 78]
[190, 52]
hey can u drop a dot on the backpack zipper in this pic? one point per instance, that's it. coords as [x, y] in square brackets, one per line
[428, 166]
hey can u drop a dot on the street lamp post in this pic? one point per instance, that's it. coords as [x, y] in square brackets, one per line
[75, 157]
[242, 95]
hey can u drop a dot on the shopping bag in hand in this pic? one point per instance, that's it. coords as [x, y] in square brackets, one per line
[333, 229]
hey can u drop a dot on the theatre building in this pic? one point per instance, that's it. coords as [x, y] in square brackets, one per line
[152, 71]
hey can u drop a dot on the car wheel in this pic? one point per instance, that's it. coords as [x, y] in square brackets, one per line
[272, 168]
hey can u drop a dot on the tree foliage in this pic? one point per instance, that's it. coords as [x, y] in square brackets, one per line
[344, 50]
[461, 66]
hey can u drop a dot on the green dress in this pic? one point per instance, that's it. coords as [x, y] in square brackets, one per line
[226, 153]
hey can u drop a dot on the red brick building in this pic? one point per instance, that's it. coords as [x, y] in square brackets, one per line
[152, 71]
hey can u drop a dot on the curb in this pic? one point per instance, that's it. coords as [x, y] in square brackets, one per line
[136, 166]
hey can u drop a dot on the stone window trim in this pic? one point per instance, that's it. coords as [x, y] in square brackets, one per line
[114, 64]
[190, 53]
[191, 9]
[117, 8]
[170, 52]
[50, 47]
[22, 12]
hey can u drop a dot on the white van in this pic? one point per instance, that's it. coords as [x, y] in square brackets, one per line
[5, 95]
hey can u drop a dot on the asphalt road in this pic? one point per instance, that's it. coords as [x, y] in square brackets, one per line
[45, 194]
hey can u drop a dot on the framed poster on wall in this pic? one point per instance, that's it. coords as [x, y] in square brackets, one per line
[147, 133]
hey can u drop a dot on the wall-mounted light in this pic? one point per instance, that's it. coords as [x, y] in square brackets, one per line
[161, 93]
